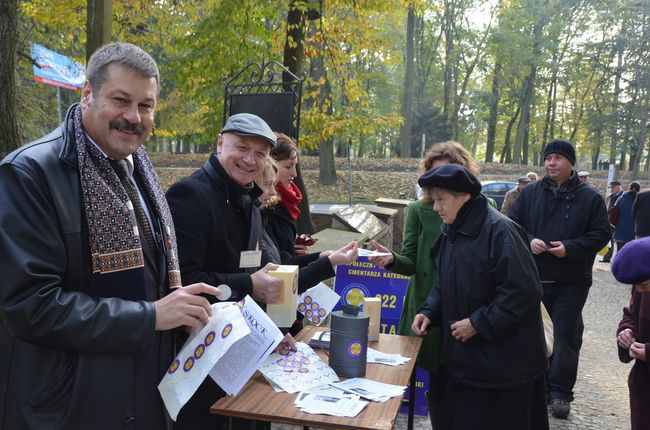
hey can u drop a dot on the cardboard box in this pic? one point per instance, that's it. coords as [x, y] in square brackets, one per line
[283, 314]
[372, 306]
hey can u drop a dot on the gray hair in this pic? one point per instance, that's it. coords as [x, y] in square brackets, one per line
[125, 54]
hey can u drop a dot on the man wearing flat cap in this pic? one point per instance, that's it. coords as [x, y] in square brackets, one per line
[218, 229]
[615, 192]
[566, 221]
[512, 195]
[487, 302]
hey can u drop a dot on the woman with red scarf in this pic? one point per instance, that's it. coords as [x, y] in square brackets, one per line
[280, 220]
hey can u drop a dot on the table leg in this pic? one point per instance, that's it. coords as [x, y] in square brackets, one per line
[411, 399]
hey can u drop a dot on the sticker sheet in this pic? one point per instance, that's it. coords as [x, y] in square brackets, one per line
[317, 303]
[298, 370]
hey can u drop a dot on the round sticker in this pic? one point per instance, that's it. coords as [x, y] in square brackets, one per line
[198, 352]
[315, 306]
[322, 312]
[308, 299]
[188, 364]
[174, 366]
[226, 331]
[316, 320]
[354, 349]
[302, 307]
[209, 338]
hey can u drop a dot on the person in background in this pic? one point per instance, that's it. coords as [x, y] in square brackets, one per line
[487, 300]
[421, 230]
[641, 213]
[512, 195]
[532, 176]
[631, 266]
[281, 218]
[584, 176]
[615, 192]
[624, 225]
[566, 222]
[91, 291]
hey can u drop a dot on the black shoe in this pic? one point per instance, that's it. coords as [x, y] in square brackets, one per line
[560, 408]
[604, 261]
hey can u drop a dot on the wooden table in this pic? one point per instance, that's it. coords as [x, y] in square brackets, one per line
[258, 401]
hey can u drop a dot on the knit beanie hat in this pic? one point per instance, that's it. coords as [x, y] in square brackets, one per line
[630, 264]
[561, 147]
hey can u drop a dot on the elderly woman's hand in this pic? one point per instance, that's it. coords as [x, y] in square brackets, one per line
[420, 324]
[463, 330]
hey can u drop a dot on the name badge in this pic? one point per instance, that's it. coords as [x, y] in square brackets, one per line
[250, 259]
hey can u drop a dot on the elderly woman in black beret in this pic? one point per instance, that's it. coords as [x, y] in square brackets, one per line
[633, 335]
[488, 302]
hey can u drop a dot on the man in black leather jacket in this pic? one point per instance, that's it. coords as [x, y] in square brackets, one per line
[566, 222]
[86, 307]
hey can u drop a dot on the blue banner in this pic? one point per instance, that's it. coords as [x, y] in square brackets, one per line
[363, 279]
[55, 69]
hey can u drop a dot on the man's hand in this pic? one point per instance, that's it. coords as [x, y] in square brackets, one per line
[463, 330]
[557, 248]
[346, 255]
[287, 343]
[381, 261]
[420, 324]
[637, 351]
[184, 306]
[266, 288]
[537, 246]
[625, 338]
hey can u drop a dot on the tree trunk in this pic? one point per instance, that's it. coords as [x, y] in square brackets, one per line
[98, 25]
[524, 121]
[407, 106]
[615, 100]
[506, 154]
[9, 139]
[293, 54]
[494, 112]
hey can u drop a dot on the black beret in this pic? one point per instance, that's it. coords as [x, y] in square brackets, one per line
[451, 177]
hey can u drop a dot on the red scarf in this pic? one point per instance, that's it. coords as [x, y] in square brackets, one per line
[289, 199]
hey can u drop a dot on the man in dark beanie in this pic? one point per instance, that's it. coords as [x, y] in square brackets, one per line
[566, 222]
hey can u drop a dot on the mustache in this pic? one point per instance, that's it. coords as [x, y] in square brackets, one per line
[122, 124]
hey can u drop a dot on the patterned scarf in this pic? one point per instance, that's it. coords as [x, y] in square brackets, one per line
[289, 199]
[114, 243]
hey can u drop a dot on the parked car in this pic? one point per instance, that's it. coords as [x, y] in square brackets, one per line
[497, 190]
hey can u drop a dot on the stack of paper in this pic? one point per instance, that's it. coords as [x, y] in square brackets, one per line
[371, 390]
[294, 371]
[375, 356]
[328, 400]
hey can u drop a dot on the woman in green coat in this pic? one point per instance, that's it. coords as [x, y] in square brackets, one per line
[421, 230]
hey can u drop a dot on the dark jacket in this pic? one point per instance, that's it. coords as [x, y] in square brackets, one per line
[282, 229]
[641, 213]
[281, 232]
[636, 317]
[212, 228]
[487, 274]
[68, 359]
[574, 215]
[625, 225]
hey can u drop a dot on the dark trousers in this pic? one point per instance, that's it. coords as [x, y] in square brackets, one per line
[564, 303]
[610, 251]
[435, 397]
[519, 408]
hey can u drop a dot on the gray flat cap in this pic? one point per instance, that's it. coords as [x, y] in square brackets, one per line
[524, 180]
[247, 124]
